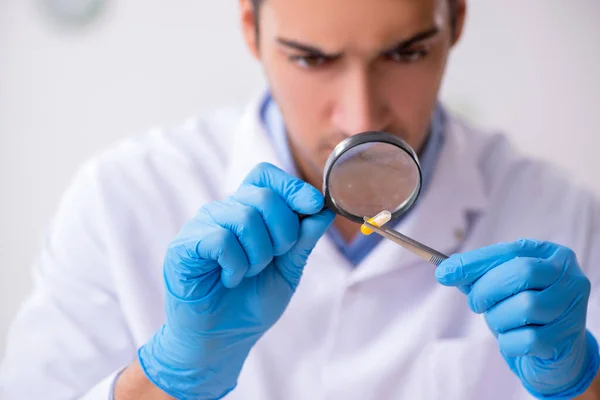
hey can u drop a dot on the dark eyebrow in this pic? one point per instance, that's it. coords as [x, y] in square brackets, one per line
[318, 52]
[419, 37]
[306, 48]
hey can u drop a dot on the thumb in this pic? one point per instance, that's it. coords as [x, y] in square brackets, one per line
[312, 228]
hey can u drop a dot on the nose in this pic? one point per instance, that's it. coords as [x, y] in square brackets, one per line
[360, 106]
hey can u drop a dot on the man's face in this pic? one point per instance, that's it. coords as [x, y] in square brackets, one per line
[340, 67]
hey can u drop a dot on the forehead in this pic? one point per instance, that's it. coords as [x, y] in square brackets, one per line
[343, 23]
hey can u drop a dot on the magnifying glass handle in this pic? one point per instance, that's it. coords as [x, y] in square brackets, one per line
[428, 254]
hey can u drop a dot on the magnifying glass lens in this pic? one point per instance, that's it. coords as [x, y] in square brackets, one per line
[367, 178]
[373, 172]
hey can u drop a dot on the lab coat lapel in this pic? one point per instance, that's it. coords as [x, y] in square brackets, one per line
[251, 146]
[440, 219]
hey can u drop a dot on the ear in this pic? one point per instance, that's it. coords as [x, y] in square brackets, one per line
[461, 14]
[249, 28]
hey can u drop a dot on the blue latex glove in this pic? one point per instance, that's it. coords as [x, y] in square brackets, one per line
[229, 276]
[534, 297]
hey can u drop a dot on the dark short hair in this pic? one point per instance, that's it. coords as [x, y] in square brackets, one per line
[453, 6]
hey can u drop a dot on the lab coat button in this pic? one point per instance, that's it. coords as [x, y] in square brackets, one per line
[459, 234]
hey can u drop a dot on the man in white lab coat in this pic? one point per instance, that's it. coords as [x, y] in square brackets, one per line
[177, 265]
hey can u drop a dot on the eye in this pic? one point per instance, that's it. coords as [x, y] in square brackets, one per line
[407, 56]
[309, 61]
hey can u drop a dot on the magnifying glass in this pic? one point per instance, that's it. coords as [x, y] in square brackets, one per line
[372, 178]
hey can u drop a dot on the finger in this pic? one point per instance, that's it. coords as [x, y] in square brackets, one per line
[527, 308]
[466, 268]
[510, 278]
[281, 222]
[249, 229]
[465, 289]
[291, 264]
[535, 341]
[301, 197]
[199, 244]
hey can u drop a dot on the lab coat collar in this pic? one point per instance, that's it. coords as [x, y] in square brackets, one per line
[440, 219]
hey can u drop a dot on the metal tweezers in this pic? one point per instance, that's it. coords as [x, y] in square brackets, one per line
[428, 254]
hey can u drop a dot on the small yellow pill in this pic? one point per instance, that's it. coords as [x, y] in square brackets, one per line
[379, 220]
[366, 230]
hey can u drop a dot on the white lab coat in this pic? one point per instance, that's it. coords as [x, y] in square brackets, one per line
[383, 330]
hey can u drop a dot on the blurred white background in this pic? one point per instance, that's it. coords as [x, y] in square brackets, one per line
[528, 68]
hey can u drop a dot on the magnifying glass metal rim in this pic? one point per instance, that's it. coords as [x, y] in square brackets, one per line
[357, 140]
